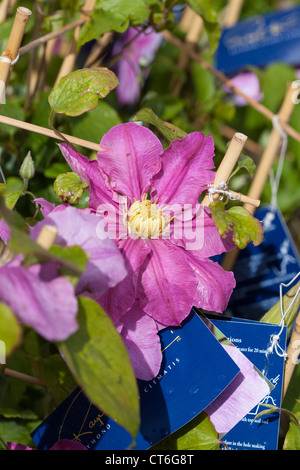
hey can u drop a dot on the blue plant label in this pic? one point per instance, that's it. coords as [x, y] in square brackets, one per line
[259, 270]
[195, 370]
[260, 40]
[252, 339]
[199, 373]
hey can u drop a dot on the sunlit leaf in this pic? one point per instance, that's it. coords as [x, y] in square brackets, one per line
[114, 15]
[79, 91]
[56, 376]
[292, 438]
[10, 330]
[244, 227]
[289, 299]
[198, 434]
[69, 188]
[168, 130]
[245, 162]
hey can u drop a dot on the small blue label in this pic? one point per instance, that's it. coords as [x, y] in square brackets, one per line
[253, 339]
[195, 370]
[259, 41]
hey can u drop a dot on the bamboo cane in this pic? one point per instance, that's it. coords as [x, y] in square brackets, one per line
[192, 24]
[252, 146]
[70, 59]
[232, 13]
[49, 133]
[228, 162]
[3, 10]
[15, 38]
[262, 172]
[54, 34]
[12, 49]
[47, 236]
[4, 73]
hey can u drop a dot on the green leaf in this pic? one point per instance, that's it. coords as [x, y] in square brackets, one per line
[205, 8]
[79, 91]
[100, 363]
[11, 198]
[244, 226]
[10, 331]
[14, 430]
[113, 15]
[7, 412]
[292, 438]
[168, 130]
[56, 376]
[202, 437]
[274, 314]
[93, 125]
[198, 434]
[69, 188]
[21, 242]
[245, 162]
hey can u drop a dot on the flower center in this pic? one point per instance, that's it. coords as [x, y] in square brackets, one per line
[145, 219]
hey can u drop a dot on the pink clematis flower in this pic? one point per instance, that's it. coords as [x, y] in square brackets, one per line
[40, 296]
[132, 68]
[64, 444]
[247, 82]
[134, 184]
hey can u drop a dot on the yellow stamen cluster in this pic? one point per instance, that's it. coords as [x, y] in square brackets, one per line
[145, 219]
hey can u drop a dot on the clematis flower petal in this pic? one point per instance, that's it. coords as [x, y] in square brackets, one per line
[48, 307]
[196, 231]
[105, 267]
[17, 446]
[139, 332]
[128, 91]
[89, 172]
[241, 395]
[45, 206]
[131, 157]
[63, 444]
[185, 171]
[67, 444]
[137, 52]
[4, 231]
[248, 82]
[167, 284]
[215, 285]
[117, 301]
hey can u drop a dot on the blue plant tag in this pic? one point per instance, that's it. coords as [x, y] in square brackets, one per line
[259, 270]
[195, 370]
[252, 339]
[260, 40]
